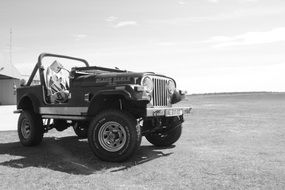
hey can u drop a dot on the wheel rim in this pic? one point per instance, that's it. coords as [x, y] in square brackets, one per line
[112, 136]
[26, 128]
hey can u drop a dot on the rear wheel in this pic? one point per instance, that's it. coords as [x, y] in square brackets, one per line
[30, 128]
[114, 135]
[167, 136]
[81, 129]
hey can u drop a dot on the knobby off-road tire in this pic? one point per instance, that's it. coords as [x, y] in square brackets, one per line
[168, 137]
[114, 135]
[81, 129]
[30, 128]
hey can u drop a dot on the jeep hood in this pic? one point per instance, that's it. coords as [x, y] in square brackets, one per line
[112, 78]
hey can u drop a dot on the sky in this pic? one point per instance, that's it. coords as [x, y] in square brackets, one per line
[205, 45]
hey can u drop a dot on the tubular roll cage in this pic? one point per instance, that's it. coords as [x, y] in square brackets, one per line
[40, 68]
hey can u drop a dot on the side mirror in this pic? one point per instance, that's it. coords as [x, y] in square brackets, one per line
[22, 82]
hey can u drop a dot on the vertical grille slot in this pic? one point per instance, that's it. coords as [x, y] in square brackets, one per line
[159, 92]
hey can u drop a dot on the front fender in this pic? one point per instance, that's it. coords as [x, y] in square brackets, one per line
[122, 92]
[106, 99]
[129, 92]
[114, 98]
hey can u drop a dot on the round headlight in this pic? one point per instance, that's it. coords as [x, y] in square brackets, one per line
[171, 86]
[148, 84]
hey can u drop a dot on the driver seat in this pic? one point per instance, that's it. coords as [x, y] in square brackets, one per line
[56, 83]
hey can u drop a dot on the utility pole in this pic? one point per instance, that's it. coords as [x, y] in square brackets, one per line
[10, 47]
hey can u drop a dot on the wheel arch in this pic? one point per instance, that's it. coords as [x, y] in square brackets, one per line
[106, 101]
[29, 102]
[120, 99]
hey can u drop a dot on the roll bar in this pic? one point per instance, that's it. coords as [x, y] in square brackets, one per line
[39, 64]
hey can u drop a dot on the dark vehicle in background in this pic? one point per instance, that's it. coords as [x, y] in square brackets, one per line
[112, 108]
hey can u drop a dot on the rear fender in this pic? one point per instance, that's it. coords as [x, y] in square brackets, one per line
[29, 101]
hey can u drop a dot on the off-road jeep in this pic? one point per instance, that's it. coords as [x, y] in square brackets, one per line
[112, 108]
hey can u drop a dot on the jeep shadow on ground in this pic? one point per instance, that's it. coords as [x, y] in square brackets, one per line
[70, 155]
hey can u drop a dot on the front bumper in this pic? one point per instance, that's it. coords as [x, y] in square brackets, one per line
[167, 112]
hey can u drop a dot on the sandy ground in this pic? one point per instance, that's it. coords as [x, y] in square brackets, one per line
[8, 118]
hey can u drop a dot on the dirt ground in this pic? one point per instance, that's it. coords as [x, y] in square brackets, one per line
[228, 142]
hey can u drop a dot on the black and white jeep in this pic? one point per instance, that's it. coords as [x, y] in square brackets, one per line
[112, 108]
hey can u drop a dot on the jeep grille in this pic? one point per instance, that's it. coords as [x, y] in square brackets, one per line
[160, 92]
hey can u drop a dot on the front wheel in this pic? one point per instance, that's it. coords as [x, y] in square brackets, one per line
[30, 128]
[114, 135]
[167, 136]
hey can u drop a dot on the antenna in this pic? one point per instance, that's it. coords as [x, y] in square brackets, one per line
[10, 49]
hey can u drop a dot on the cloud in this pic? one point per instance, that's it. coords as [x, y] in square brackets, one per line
[248, 1]
[245, 13]
[111, 19]
[116, 22]
[125, 23]
[182, 2]
[165, 43]
[241, 1]
[249, 38]
[213, 1]
[79, 37]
